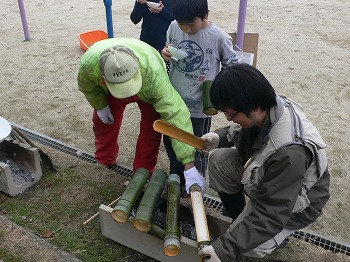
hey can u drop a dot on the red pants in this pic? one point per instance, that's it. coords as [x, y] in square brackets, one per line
[106, 135]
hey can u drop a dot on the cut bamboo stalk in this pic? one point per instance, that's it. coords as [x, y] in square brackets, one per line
[156, 231]
[149, 201]
[45, 159]
[127, 200]
[200, 218]
[172, 226]
[17, 136]
[177, 133]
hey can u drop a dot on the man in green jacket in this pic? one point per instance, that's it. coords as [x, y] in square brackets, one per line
[273, 154]
[119, 71]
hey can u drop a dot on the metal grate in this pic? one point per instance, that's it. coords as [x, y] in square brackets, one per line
[58, 145]
[327, 244]
[306, 235]
[213, 202]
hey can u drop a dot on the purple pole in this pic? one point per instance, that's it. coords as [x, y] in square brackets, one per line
[241, 23]
[24, 20]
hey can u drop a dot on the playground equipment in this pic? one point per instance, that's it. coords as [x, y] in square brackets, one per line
[108, 7]
[24, 20]
[241, 23]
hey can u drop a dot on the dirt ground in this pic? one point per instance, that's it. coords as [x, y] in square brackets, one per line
[33, 248]
[303, 50]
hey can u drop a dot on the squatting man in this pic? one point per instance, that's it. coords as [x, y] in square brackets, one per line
[271, 154]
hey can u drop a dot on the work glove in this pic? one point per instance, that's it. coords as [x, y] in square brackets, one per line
[192, 176]
[209, 255]
[105, 115]
[212, 141]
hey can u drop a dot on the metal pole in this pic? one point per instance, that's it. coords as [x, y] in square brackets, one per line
[24, 20]
[108, 5]
[241, 23]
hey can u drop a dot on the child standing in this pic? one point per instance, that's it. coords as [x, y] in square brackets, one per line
[208, 48]
[155, 23]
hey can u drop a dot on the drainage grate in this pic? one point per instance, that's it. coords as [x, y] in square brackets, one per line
[327, 244]
[208, 200]
[212, 202]
[58, 145]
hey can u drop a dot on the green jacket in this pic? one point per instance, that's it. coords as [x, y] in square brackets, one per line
[156, 87]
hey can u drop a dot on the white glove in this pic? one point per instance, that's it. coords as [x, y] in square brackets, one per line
[208, 254]
[105, 115]
[212, 141]
[192, 176]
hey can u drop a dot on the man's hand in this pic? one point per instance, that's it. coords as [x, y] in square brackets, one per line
[209, 254]
[105, 115]
[212, 141]
[192, 176]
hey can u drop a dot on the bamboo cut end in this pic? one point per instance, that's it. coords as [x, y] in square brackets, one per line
[119, 216]
[171, 250]
[141, 225]
[172, 246]
[195, 188]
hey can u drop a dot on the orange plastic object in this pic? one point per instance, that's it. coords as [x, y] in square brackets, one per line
[87, 39]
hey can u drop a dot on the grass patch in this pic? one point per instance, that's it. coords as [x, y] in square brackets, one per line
[61, 201]
[5, 255]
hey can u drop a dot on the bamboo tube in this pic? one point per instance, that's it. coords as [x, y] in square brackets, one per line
[172, 226]
[156, 231]
[177, 133]
[200, 218]
[127, 200]
[208, 107]
[149, 201]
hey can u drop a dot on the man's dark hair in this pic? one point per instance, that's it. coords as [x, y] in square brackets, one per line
[185, 11]
[243, 88]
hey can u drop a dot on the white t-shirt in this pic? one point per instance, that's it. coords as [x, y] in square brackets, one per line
[208, 50]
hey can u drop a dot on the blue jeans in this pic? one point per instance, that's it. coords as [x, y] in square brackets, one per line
[201, 126]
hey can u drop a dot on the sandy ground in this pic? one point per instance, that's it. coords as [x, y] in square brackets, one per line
[303, 50]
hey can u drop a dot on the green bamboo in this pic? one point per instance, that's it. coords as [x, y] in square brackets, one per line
[127, 200]
[149, 201]
[208, 107]
[172, 226]
[156, 231]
